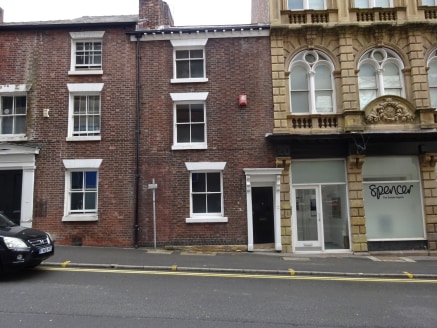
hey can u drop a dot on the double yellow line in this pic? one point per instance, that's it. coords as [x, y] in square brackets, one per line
[237, 275]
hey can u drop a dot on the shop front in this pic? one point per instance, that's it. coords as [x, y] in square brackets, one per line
[393, 203]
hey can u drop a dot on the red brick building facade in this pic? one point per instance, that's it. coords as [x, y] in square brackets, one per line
[95, 109]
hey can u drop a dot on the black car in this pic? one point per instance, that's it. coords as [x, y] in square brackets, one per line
[22, 247]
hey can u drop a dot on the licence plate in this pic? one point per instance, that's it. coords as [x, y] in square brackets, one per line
[45, 250]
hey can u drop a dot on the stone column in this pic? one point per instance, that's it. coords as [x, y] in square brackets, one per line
[356, 203]
[284, 163]
[429, 185]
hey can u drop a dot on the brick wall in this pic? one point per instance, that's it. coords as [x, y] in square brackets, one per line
[154, 13]
[41, 57]
[236, 135]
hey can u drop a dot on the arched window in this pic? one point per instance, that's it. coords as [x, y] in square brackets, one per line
[432, 78]
[380, 73]
[311, 83]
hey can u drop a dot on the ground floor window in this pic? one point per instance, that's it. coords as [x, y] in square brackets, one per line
[81, 189]
[319, 199]
[206, 192]
[393, 198]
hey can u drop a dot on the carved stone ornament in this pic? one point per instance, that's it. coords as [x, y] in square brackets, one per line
[389, 110]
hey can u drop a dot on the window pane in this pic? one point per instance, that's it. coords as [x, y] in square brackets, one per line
[7, 105]
[382, 3]
[428, 2]
[90, 201]
[183, 133]
[198, 133]
[198, 182]
[90, 180]
[76, 201]
[214, 203]
[392, 80]
[80, 104]
[432, 80]
[183, 69]
[324, 102]
[76, 180]
[366, 96]
[316, 4]
[299, 102]
[20, 124]
[323, 78]
[94, 123]
[295, 4]
[214, 182]
[367, 77]
[7, 125]
[318, 171]
[94, 104]
[199, 203]
[298, 78]
[20, 105]
[182, 54]
[196, 54]
[362, 3]
[182, 113]
[197, 113]
[196, 68]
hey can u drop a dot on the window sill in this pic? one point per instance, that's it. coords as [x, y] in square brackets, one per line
[189, 146]
[11, 137]
[95, 138]
[86, 72]
[207, 219]
[197, 80]
[80, 218]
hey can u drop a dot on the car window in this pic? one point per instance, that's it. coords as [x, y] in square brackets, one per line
[5, 222]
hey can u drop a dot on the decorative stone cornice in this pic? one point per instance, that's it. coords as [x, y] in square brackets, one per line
[428, 160]
[390, 110]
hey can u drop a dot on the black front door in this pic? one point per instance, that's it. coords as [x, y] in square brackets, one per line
[263, 215]
[10, 194]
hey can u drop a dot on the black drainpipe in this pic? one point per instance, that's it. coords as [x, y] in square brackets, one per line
[137, 140]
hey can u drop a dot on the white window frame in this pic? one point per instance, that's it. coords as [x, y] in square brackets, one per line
[188, 98]
[72, 165]
[86, 36]
[14, 90]
[82, 89]
[306, 5]
[372, 4]
[188, 44]
[206, 167]
[311, 86]
[432, 83]
[379, 71]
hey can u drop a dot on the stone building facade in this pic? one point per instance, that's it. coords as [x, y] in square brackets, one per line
[355, 123]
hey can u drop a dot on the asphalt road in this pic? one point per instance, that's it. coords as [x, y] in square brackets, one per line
[56, 297]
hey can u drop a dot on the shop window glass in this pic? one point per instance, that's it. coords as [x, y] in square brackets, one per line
[392, 198]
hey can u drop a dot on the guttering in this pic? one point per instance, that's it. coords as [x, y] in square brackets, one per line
[137, 138]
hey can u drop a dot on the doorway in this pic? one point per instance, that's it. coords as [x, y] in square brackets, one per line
[320, 218]
[10, 194]
[263, 215]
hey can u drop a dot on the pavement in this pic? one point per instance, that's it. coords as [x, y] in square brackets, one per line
[408, 265]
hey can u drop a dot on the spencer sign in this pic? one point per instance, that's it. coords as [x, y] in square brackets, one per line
[390, 191]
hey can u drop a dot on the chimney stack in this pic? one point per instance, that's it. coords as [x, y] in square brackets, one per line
[154, 13]
[1, 15]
